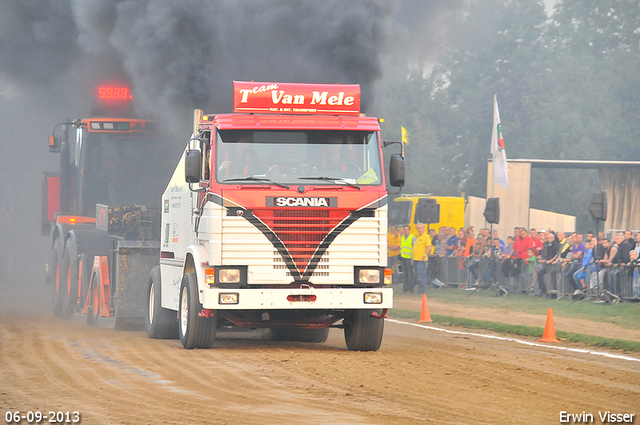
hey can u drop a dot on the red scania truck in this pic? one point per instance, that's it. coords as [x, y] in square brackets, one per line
[276, 217]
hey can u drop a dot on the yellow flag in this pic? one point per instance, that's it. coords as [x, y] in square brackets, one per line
[405, 135]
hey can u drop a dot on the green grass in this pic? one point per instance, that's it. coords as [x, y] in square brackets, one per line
[531, 331]
[626, 315]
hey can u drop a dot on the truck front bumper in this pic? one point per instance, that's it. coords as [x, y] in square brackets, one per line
[297, 299]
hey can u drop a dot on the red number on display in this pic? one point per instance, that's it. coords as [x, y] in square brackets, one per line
[113, 93]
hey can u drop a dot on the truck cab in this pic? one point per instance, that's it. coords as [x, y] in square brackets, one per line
[276, 217]
[435, 211]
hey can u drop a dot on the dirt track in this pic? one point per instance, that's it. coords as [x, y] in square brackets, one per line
[418, 376]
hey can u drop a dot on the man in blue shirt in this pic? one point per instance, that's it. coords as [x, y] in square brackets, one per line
[452, 241]
[582, 273]
[495, 236]
[577, 252]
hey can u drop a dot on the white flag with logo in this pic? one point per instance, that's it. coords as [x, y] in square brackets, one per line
[500, 167]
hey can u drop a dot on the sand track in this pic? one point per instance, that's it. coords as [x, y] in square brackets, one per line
[418, 376]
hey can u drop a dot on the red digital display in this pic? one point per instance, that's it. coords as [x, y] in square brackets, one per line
[114, 93]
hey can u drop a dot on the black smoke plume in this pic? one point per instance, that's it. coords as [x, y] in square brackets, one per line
[177, 55]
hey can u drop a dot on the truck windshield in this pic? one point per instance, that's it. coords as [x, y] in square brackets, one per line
[317, 157]
[400, 213]
[121, 169]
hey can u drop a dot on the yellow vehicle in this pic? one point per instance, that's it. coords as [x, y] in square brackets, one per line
[433, 211]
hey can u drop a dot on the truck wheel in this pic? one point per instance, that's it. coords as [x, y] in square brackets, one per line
[161, 323]
[363, 332]
[279, 334]
[301, 335]
[71, 268]
[58, 279]
[194, 331]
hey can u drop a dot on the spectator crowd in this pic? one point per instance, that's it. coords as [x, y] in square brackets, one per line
[532, 261]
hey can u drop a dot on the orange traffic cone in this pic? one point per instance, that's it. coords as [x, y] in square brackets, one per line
[549, 334]
[424, 313]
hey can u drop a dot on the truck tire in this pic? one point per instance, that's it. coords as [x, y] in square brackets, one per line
[301, 335]
[58, 279]
[71, 267]
[161, 323]
[194, 331]
[363, 332]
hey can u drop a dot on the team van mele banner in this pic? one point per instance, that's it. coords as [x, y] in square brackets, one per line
[296, 98]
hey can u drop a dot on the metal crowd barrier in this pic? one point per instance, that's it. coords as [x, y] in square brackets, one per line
[620, 280]
[623, 281]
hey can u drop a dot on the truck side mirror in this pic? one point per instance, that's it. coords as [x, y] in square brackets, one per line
[396, 170]
[193, 166]
[54, 143]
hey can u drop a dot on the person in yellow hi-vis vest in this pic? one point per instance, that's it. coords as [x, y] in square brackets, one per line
[393, 251]
[421, 251]
[406, 254]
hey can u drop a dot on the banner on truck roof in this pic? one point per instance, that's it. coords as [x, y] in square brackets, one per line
[296, 98]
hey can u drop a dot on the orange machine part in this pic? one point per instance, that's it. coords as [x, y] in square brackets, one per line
[74, 219]
[101, 265]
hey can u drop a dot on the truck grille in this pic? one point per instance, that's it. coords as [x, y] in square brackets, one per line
[321, 270]
[301, 230]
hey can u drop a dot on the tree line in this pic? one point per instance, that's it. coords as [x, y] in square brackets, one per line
[567, 85]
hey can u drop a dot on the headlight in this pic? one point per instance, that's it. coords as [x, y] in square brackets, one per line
[228, 298]
[229, 275]
[373, 297]
[369, 276]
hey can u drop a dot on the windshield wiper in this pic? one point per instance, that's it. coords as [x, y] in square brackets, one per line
[332, 179]
[255, 179]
